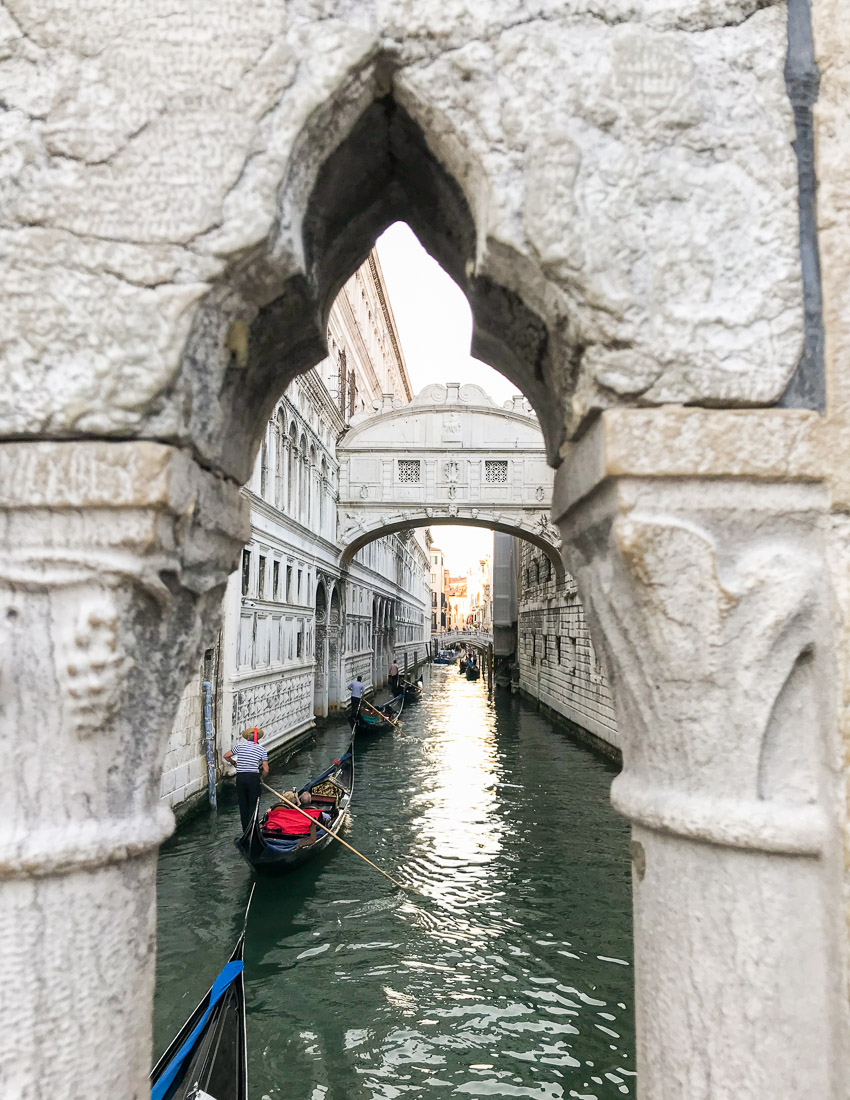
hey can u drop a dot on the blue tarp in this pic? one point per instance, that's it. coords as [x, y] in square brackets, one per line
[220, 986]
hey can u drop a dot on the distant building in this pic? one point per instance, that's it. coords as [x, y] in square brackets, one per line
[297, 627]
[439, 598]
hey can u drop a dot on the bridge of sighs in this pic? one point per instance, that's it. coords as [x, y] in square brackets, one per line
[451, 456]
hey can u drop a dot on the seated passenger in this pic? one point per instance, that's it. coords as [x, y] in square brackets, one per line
[306, 804]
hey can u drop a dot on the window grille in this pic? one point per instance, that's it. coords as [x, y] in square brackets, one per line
[496, 471]
[352, 393]
[261, 577]
[409, 471]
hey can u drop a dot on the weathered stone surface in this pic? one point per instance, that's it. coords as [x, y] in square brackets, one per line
[629, 174]
[710, 602]
[115, 558]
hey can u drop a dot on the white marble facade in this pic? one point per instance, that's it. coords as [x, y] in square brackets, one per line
[299, 625]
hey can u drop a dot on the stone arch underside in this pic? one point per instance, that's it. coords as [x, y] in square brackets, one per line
[541, 535]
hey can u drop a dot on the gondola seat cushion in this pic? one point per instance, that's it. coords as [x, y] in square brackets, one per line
[283, 821]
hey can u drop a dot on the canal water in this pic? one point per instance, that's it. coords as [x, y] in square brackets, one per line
[506, 972]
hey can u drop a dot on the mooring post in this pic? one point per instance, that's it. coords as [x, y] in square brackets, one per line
[490, 669]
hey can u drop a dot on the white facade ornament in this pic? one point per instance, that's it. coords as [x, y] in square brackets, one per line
[452, 427]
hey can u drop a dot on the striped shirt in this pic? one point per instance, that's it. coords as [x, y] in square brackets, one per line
[248, 755]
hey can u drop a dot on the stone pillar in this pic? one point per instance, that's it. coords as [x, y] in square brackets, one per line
[115, 559]
[709, 598]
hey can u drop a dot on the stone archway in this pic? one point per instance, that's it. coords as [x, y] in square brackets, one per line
[321, 683]
[334, 643]
[129, 429]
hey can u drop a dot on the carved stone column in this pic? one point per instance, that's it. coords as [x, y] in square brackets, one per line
[709, 599]
[114, 561]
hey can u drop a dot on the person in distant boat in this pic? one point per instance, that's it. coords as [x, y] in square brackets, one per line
[251, 761]
[393, 676]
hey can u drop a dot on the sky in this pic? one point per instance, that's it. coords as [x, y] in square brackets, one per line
[435, 328]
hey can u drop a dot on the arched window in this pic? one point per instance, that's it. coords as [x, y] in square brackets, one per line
[324, 499]
[303, 482]
[292, 495]
[280, 465]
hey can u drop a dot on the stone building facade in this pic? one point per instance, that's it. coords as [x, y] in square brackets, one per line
[299, 625]
[555, 659]
[626, 194]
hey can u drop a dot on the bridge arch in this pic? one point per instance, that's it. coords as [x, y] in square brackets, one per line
[547, 542]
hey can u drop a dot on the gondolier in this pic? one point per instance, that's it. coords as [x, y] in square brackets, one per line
[356, 687]
[393, 676]
[252, 762]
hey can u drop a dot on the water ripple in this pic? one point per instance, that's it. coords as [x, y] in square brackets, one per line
[505, 969]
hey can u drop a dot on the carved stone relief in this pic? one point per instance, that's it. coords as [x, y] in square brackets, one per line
[92, 659]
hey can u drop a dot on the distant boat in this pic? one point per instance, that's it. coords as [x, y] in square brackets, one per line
[472, 672]
[208, 1057]
[367, 721]
[412, 691]
[463, 665]
[445, 657]
[277, 852]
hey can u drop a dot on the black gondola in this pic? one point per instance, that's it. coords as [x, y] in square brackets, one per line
[412, 691]
[473, 671]
[462, 666]
[209, 1055]
[278, 853]
[374, 719]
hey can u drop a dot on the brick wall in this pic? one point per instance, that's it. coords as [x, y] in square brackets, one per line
[557, 662]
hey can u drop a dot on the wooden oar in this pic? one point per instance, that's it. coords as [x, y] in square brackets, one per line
[345, 843]
[381, 714]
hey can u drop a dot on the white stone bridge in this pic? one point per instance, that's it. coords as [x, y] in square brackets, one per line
[474, 639]
[451, 456]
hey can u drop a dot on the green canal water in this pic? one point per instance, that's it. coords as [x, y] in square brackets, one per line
[508, 973]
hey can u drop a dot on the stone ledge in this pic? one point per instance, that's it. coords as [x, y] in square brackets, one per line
[748, 824]
[685, 442]
[84, 846]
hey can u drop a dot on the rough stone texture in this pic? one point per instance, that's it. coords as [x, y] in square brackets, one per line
[184, 765]
[832, 129]
[615, 190]
[712, 604]
[115, 557]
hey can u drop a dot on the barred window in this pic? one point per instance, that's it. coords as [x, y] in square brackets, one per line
[409, 470]
[496, 471]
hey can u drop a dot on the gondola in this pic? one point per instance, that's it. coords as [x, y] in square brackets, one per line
[366, 721]
[412, 691]
[473, 672]
[279, 853]
[208, 1057]
[463, 665]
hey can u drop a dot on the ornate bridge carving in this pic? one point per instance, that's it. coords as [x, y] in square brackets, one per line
[451, 456]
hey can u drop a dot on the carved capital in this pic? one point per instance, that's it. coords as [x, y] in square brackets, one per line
[709, 604]
[114, 565]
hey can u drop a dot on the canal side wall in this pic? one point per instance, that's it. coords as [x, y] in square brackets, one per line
[184, 775]
[557, 664]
